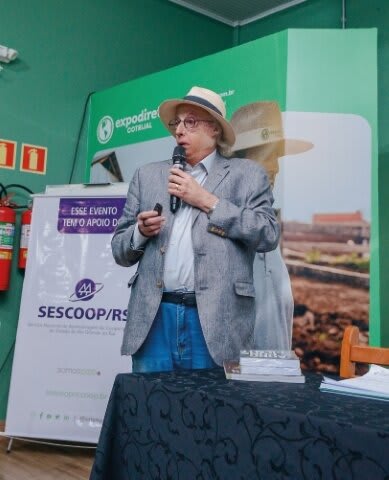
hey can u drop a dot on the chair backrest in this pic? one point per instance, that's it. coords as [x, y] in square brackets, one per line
[352, 352]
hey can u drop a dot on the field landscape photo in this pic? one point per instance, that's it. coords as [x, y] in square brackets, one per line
[324, 197]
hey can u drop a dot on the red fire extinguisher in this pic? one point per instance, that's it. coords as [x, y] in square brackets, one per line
[7, 232]
[24, 237]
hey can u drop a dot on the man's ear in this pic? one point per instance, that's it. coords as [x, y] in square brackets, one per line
[217, 129]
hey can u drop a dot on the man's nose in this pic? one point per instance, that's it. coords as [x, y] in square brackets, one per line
[180, 128]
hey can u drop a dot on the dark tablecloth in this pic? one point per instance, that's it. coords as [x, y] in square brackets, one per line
[198, 425]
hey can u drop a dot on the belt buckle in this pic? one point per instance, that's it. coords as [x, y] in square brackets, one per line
[184, 298]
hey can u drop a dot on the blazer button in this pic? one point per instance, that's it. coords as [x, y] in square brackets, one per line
[162, 250]
[159, 283]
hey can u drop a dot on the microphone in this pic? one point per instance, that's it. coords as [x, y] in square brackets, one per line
[178, 162]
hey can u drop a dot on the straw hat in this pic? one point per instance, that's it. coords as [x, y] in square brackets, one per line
[260, 123]
[205, 99]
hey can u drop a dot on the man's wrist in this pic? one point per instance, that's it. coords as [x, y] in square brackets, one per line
[138, 240]
[212, 208]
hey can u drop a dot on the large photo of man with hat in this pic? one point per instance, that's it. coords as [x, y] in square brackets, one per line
[326, 253]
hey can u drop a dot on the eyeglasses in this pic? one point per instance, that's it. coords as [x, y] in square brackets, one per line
[190, 123]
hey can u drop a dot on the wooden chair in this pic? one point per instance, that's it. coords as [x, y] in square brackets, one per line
[352, 352]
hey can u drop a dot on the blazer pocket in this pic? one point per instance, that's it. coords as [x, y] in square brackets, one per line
[245, 289]
[132, 280]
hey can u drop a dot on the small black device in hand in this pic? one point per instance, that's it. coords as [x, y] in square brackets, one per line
[158, 208]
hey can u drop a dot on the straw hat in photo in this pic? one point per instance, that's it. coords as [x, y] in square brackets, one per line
[260, 123]
[205, 99]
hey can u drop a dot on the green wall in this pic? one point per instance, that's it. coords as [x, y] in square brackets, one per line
[67, 49]
[359, 14]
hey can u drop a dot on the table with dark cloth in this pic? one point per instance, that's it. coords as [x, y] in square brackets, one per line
[198, 425]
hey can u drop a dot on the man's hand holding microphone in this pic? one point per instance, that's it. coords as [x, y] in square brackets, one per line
[181, 186]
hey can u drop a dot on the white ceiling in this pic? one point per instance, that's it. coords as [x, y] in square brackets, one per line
[237, 12]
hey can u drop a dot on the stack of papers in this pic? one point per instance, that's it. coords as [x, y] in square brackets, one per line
[233, 371]
[265, 366]
[374, 384]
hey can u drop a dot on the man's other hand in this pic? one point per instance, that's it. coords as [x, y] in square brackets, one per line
[150, 223]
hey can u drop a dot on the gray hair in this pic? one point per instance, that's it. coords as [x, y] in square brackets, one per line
[222, 147]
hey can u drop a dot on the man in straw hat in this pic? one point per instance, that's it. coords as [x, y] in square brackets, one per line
[260, 137]
[192, 302]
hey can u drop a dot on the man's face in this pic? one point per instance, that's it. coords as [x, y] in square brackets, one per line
[198, 140]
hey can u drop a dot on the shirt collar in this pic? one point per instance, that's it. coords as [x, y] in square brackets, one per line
[208, 161]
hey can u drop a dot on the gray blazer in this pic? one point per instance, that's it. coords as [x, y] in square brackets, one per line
[224, 247]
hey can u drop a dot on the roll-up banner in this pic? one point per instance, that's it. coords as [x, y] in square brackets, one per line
[72, 315]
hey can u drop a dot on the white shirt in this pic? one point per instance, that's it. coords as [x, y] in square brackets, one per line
[179, 259]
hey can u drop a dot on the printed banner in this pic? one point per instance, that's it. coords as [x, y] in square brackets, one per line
[91, 215]
[72, 315]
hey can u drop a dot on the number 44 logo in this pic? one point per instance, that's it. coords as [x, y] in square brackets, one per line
[85, 290]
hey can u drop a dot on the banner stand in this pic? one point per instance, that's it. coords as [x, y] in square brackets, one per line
[30, 440]
[72, 315]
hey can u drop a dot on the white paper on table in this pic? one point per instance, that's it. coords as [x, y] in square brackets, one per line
[375, 380]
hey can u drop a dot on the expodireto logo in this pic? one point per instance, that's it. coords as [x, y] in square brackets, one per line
[105, 129]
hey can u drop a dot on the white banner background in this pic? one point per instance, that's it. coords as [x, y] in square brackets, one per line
[72, 315]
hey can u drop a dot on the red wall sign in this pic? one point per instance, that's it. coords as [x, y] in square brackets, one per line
[7, 154]
[33, 159]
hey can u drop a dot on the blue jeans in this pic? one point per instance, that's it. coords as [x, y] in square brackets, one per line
[175, 341]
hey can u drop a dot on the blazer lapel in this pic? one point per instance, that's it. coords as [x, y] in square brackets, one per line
[164, 200]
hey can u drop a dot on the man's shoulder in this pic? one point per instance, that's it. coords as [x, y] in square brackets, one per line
[154, 166]
[157, 164]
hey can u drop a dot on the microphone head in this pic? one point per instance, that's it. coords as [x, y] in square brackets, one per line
[178, 154]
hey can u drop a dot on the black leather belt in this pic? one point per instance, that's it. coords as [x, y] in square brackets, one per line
[185, 298]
